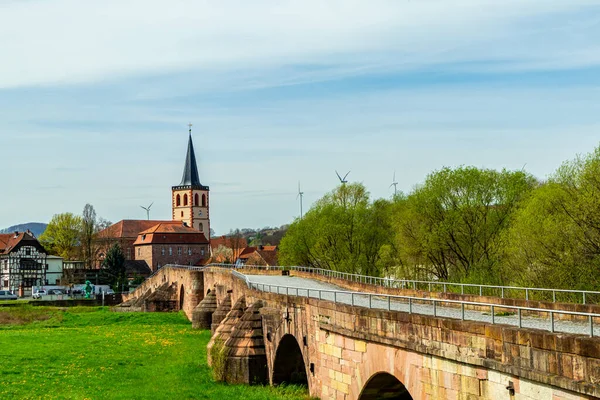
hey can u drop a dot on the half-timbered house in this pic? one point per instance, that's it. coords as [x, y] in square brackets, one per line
[23, 263]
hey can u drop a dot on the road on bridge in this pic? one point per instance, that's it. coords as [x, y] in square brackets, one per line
[306, 287]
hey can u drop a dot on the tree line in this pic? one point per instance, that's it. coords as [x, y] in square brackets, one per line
[71, 236]
[462, 224]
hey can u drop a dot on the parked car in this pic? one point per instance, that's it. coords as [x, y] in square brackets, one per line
[6, 295]
[55, 291]
[39, 294]
[110, 291]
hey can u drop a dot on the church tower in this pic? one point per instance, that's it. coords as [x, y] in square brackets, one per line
[190, 197]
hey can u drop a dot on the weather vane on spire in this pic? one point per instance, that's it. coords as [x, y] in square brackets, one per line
[190, 126]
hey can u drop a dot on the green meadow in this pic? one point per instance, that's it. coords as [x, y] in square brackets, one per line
[93, 353]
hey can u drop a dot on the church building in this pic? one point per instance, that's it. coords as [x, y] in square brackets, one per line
[190, 197]
[183, 240]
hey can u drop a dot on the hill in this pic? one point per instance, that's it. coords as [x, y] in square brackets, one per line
[37, 228]
[265, 236]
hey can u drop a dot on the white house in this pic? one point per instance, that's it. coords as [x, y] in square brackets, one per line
[55, 270]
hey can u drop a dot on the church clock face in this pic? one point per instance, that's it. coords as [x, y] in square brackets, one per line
[200, 213]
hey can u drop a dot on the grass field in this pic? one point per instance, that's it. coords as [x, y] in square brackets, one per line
[93, 353]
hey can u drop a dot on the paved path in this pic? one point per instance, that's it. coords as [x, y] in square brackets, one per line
[310, 288]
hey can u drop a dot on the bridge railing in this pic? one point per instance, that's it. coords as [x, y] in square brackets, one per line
[513, 292]
[457, 309]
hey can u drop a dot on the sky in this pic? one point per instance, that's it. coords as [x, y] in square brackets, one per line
[95, 98]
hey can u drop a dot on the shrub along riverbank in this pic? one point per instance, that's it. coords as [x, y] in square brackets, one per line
[93, 353]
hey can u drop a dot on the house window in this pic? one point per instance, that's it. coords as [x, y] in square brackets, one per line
[189, 251]
[202, 252]
[179, 251]
[185, 200]
[178, 200]
[201, 227]
[162, 251]
[196, 199]
[203, 200]
[139, 251]
[27, 251]
[5, 283]
[129, 253]
[170, 251]
[182, 213]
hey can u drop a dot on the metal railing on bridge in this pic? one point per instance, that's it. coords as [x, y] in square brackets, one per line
[512, 292]
[522, 317]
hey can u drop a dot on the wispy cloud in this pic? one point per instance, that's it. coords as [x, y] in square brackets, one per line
[94, 98]
[69, 41]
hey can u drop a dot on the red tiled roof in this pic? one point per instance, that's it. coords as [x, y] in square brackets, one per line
[129, 228]
[245, 254]
[270, 256]
[4, 239]
[171, 232]
[9, 241]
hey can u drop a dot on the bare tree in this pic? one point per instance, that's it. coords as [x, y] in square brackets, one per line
[89, 225]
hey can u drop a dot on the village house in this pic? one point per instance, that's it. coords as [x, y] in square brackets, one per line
[171, 243]
[23, 263]
[260, 255]
[124, 233]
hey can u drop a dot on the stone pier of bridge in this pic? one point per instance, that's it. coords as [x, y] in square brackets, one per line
[347, 352]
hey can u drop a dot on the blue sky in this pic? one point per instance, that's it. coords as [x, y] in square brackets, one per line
[95, 98]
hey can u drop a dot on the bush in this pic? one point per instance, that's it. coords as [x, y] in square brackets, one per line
[218, 355]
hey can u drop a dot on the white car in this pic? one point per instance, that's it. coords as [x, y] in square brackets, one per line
[39, 294]
[6, 295]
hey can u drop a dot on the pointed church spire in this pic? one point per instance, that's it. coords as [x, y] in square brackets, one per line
[190, 170]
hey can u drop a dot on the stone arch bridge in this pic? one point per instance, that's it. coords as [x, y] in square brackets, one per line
[354, 349]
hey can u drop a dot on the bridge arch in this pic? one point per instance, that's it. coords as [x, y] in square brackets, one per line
[289, 366]
[181, 297]
[384, 386]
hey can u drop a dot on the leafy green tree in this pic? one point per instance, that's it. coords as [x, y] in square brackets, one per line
[343, 231]
[452, 226]
[114, 264]
[62, 235]
[555, 238]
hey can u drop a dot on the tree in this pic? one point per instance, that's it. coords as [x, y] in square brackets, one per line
[62, 235]
[343, 231]
[452, 226]
[555, 238]
[102, 224]
[88, 230]
[223, 254]
[114, 264]
[236, 242]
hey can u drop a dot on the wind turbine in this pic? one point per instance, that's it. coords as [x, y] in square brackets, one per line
[300, 195]
[394, 184]
[148, 210]
[342, 180]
